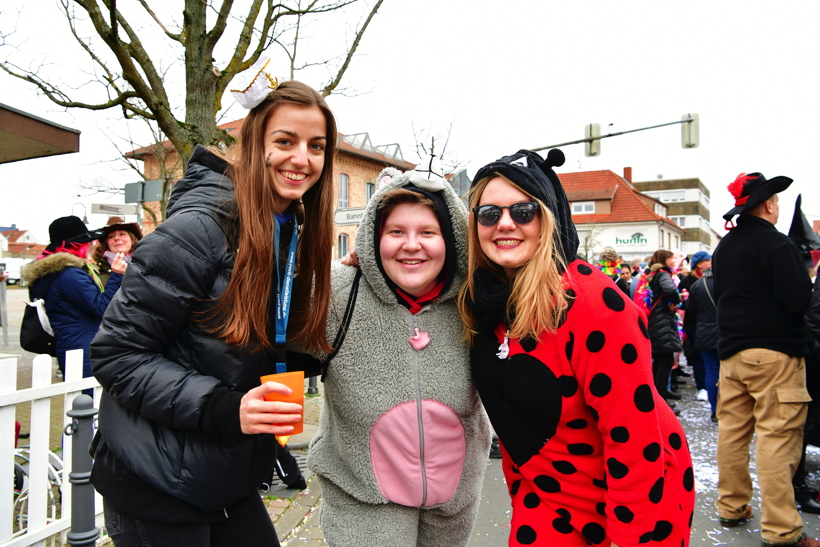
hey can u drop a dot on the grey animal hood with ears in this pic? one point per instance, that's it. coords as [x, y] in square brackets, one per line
[440, 191]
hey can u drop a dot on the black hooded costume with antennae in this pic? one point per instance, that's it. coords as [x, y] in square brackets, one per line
[590, 451]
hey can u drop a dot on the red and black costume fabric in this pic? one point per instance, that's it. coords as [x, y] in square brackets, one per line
[591, 452]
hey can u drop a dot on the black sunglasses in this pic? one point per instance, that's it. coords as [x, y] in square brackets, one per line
[520, 213]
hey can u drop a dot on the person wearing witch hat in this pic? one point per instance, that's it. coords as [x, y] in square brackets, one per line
[591, 453]
[74, 295]
[809, 245]
[762, 292]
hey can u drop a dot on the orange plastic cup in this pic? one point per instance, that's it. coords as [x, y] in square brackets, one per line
[295, 381]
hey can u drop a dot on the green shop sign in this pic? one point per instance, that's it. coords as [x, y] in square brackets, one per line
[636, 239]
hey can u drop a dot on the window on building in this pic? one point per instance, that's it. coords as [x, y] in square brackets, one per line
[677, 242]
[344, 183]
[669, 240]
[673, 195]
[583, 208]
[369, 189]
[680, 221]
[342, 245]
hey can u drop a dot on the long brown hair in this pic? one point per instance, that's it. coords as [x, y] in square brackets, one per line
[244, 307]
[537, 293]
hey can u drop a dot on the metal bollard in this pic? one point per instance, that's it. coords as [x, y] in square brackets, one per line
[312, 389]
[83, 531]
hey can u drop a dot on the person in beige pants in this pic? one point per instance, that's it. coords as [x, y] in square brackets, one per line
[762, 292]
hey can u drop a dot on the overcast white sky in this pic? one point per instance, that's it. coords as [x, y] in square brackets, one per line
[510, 75]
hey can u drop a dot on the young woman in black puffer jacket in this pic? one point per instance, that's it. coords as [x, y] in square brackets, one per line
[663, 328]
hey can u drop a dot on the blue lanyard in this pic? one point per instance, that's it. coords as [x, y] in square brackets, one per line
[284, 290]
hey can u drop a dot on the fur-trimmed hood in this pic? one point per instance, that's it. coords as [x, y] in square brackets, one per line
[367, 234]
[50, 264]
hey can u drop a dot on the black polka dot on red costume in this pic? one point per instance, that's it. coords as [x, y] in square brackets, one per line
[594, 533]
[613, 299]
[515, 470]
[596, 341]
[531, 501]
[580, 449]
[601, 509]
[629, 354]
[645, 538]
[656, 492]
[600, 385]
[547, 484]
[580, 423]
[689, 479]
[564, 467]
[600, 483]
[675, 441]
[528, 344]
[617, 470]
[569, 346]
[642, 325]
[567, 385]
[583, 269]
[691, 518]
[619, 434]
[562, 526]
[566, 515]
[662, 530]
[525, 535]
[652, 452]
[644, 399]
[623, 514]
[593, 412]
[514, 487]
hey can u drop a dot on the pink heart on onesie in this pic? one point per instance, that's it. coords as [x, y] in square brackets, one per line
[420, 340]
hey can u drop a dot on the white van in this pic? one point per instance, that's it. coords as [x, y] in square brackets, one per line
[12, 267]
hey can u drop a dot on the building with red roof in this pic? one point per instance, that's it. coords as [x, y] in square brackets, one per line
[355, 168]
[609, 211]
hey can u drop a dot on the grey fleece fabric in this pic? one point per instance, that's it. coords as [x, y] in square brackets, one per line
[377, 369]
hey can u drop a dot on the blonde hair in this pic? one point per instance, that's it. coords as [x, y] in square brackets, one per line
[538, 294]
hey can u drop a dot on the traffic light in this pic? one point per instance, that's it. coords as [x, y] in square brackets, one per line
[593, 147]
[690, 131]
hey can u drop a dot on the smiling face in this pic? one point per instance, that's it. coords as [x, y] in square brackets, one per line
[508, 244]
[412, 248]
[295, 141]
[119, 241]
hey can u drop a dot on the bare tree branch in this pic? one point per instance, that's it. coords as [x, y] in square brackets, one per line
[328, 89]
[171, 35]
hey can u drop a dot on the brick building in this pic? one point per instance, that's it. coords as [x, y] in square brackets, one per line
[355, 168]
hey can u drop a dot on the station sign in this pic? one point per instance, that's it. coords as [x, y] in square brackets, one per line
[114, 209]
[348, 217]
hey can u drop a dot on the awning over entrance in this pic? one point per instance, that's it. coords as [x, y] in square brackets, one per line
[24, 136]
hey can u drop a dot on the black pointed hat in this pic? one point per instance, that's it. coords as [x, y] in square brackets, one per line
[802, 234]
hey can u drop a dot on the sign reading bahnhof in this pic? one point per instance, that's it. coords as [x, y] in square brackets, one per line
[346, 217]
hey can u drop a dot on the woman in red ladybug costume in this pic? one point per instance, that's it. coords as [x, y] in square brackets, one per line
[562, 361]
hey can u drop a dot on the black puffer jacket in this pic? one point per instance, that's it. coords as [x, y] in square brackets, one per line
[170, 411]
[701, 310]
[663, 330]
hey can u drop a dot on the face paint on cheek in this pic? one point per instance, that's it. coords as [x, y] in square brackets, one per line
[267, 160]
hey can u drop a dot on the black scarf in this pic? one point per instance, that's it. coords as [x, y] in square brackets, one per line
[490, 304]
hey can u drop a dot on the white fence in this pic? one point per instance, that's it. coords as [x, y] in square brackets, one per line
[39, 522]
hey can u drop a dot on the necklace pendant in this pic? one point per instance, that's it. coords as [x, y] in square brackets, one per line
[504, 348]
